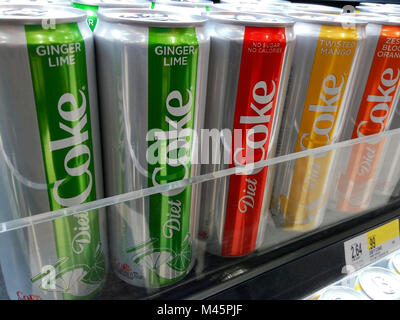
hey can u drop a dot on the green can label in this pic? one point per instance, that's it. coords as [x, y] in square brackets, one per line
[91, 12]
[172, 72]
[59, 76]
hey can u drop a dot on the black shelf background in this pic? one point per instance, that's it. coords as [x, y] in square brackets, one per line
[290, 271]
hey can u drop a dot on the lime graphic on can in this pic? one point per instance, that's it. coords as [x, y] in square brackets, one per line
[149, 136]
[56, 113]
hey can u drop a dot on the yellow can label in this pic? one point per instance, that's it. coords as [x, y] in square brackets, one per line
[330, 72]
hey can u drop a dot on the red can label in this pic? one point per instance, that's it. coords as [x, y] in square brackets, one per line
[261, 64]
[356, 186]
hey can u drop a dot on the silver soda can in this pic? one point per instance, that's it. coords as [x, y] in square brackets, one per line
[50, 153]
[152, 68]
[250, 59]
[326, 59]
[374, 101]
[379, 284]
[92, 6]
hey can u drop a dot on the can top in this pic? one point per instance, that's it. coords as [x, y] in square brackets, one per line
[182, 4]
[149, 17]
[185, 2]
[313, 8]
[253, 1]
[395, 260]
[384, 9]
[379, 283]
[376, 18]
[371, 4]
[37, 14]
[394, 14]
[114, 3]
[326, 19]
[250, 19]
[341, 293]
[253, 9]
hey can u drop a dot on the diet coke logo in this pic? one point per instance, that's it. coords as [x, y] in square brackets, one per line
[248, 199]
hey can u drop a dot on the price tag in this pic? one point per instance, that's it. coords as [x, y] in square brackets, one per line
[372, 246]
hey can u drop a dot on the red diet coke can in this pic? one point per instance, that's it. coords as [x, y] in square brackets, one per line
[250, 57]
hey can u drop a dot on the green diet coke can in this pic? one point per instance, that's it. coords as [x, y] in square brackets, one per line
[152, 68]
[50, 155]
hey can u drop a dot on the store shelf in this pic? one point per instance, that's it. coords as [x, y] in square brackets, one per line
[289, 265]
[311, 264]
[293, 252]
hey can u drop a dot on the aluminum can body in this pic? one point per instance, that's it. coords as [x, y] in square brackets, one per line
[245, 94]
[366, 173]
[379, 284]
[326, 60]
[157, 62]
[92, 6]
[57, 119]
[388, 185]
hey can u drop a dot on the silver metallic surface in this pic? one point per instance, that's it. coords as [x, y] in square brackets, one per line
[379, 284]
[122, 64]
[226, 36]
[23, 183]
[341, 293]
[307, 31]
[114, 3]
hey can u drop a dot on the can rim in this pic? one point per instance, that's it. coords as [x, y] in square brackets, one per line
[395, 261]
[112, 4]
[371, 4]
[395, 15]
[76, 15]
[184, 3]
[347, 290]
[187, 19]
[256, 1]
[275, 20]
[325, 19]
[250, 9]
[317, 8]
[386, 9]
[376, 18]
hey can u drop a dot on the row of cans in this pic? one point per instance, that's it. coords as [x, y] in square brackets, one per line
[288, 83]
[380, 281]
